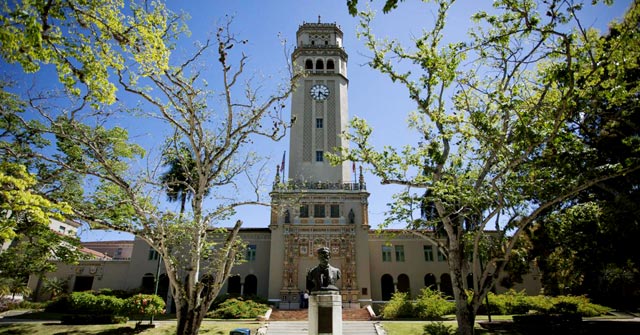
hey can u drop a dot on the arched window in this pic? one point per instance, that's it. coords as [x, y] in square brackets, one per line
[250, 286]
[308, 64]
[330, 65]
[386, 283]
[445, 285]
[234, 287]
[163, 286]
[148, 283]
[319, 64]
[430, 281]
[403, 283]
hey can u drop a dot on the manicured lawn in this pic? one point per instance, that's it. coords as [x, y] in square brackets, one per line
[417, 327]
[162, 328]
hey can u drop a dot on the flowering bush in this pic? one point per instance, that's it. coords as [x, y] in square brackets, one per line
[144, 305]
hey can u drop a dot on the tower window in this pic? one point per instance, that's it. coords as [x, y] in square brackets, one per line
[326, 42]
[304, 211]
[319, 156]
[308, 64]
[335, 211]
[318, 211]
[330, 64]
[319, 64]
[319, 123]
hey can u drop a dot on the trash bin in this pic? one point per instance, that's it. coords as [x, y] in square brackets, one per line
[240, 331]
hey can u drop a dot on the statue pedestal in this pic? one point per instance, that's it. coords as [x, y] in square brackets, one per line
[325, 313]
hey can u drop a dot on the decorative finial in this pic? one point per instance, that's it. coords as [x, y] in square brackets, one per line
[361, 177]
[318, 18]
[277, 181]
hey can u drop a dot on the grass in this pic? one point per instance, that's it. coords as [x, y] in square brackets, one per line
[417, 328]
[163, 328]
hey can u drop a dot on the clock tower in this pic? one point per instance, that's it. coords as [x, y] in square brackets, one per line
[319, 205]
[319, 105]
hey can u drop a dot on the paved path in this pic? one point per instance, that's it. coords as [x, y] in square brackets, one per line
[301, 328]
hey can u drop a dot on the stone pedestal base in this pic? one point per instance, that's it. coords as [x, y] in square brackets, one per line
[325, 313]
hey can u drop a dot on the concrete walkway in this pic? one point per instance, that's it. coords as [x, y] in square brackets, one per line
[301, 328]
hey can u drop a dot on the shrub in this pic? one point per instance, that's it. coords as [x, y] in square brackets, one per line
[61, 304]
[541, 303]
[519, 303]
[431, 304]
[87, 303]
[400, 306]
[577, 305]
[237, 308]
[122, 294]
[144, 305]
[438, 328]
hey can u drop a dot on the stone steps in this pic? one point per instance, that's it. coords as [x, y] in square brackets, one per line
[348, 314]
[301, 327]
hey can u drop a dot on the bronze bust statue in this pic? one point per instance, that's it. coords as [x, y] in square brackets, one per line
[324, 276]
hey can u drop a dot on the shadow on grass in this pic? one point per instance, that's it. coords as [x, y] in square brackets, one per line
[12, 329]
[116, 331]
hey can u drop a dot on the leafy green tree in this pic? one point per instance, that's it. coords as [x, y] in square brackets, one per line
[89, 43]
[19, 203]
[13, 286]
[55, 286]
[494, 118]
[178, 179]
[586, 245]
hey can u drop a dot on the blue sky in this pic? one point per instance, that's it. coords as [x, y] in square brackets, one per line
[372, 96]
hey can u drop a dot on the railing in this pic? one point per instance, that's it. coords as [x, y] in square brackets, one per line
[300, 185]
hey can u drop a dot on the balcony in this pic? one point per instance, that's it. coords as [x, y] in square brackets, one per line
[306, 186]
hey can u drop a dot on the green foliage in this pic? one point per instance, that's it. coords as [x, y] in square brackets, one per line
[237, 308]
[514, 303]
[500, 124]
[19, 202]
[438, 328]
[55, 286]
[60, 304]
[88, 303]
[14, 285]
[104, 306]
[511, 302]
[144, 305]
[431, 304]
[569, 305]
[86, 39]
[400, 306]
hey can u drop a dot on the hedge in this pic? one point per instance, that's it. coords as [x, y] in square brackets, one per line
[431, 305]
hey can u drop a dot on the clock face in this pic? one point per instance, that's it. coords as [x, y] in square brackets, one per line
[319, 92]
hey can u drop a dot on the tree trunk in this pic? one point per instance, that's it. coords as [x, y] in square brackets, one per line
[189, 319]
[465, 316]
[465, 313]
